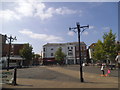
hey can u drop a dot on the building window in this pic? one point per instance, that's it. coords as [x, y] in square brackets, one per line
[44, 49]
[43, 54]
[82, 48]
[12, 46]
[70, 53]
[52, 54]
[71, 47]
[68, 47]
[51, 48]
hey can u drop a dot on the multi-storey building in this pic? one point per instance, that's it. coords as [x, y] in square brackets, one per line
[15, 49]
[15, 58]
[69, 49]
[2, 43]
[83, 52]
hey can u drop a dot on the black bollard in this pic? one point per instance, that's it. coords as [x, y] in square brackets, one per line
[15, 76]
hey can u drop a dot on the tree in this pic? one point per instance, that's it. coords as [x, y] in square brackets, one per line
[99, 53]
[118, 46]
[36, 59]
[59, 56]
[106, 50]
[109, 45]
[26, 53]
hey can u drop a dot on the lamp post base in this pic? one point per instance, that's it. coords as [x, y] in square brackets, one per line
[82, 80]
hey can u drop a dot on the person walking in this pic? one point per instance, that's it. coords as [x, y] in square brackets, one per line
[102, 69]
[118, 59]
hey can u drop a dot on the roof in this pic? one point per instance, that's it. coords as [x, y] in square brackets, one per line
[92, 45]
[69, 43]
[16, 58]
[13, 58]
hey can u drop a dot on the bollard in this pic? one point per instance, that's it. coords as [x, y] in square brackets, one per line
[15, 76]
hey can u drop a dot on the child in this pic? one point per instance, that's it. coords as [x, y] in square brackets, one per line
[102, 69]
[108, 72]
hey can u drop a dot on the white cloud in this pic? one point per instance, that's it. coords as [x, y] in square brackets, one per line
[48, 13]
[24, 9]
[65, 10]
[8, 15]
[106, 28]
[32, 8]
[45, 37]
[70, 33]
[42, 14]
[95, 32]
[85, 33]
[91, 27]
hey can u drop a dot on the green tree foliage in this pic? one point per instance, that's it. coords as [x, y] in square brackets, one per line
[36, 58]
[106, 50]
[26, 53]
[109, 45]
[59, 56]
[99, 53]
[118, 47]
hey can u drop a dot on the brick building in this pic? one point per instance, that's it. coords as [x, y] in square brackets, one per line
[15, 58]
[83, 52]
[15, 49]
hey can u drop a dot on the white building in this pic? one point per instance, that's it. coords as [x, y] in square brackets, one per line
[69, 49]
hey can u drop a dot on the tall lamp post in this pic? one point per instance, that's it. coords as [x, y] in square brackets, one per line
[10, 40]
[79, 31]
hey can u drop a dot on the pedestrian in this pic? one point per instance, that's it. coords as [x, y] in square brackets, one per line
[118, 59]
[102, 69]
[108, 72]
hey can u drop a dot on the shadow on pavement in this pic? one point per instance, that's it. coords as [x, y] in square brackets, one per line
[47, 75]
[99, 82]
[24, 85]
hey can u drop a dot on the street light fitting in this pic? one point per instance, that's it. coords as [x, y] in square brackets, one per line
[85, 26]
[69, 28]
[72, 28]
[15, 38]
[77, 23]
[10, 39]
[88, 26]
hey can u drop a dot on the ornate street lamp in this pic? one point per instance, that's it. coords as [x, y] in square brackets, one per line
[10, 40]
[79, 31]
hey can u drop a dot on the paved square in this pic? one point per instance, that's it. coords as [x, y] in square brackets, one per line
[63, 77]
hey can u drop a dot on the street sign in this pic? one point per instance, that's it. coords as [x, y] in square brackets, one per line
[7, 76]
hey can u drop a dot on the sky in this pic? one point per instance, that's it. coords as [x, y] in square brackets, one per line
[39, 23]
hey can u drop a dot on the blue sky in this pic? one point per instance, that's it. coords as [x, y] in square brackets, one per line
[39, 23]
